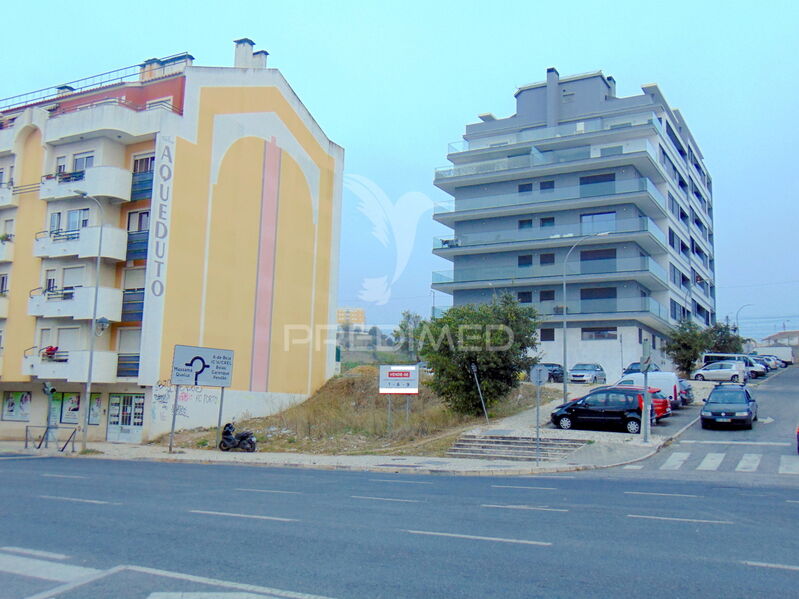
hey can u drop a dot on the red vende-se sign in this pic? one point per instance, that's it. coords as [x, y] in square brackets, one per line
[402, 374]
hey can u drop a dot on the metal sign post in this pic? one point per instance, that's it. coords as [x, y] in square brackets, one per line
[538, 376]
[479, 390]
[200, 367]
[646, 364]
[219, 420]
[398, 380]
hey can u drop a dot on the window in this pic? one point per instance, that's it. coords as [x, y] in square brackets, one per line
[548, 221]
[546, 185]
[77, 219]
[83, 161]
[597, 185]
[598, 293]
[525, 297]
[547, 295]
[547, 334]
[589, 255]
[526, 223]
[138, 220]
[546, 259]
[2, 176]
[49, 279]
[60, 164]
[17, 406]
[525, 260]
[599, 222]
[55, 222]
[143, 164]
[3, 288]
[611, 151]
[640, 336]
[597, 333]
[8, 226]
[525, 187]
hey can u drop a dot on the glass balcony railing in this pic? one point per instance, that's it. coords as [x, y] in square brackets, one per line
[570, 192]
[141, 187]
[604, 306]
[137, 245]
[633, 225]
[519, 273]
[132, 305]
[541, 133]
[128, 365]
[536, 158]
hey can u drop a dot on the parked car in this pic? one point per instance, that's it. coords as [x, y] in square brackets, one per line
[555, 372]
[784, 353]
[722, 371]
[772, 361]
[667, 382]
[636, 367]
[729, 404]
[587, 373]
[753, 369]
[609, 406]
[764, 362]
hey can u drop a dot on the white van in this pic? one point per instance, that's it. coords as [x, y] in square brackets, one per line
[667, 382]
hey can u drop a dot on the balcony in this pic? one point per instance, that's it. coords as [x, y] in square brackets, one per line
[76, 303]
[128, 365]
[640, 308]
[7, 249]
[7, 197]
[640, 191]
[642, 231]
[108, 182]
[82, 243]
[71, 366]
[4, 304]
[132, 305]
[642, 269]
[639, 154]
[137, 245]
[615, 125]
[141, 187]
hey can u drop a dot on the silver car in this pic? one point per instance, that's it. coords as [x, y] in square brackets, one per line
[587, 373]
[722, 371]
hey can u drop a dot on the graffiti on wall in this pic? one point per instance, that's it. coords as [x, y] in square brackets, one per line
[189, 399]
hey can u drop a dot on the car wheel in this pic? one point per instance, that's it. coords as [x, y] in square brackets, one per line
[699, 377]
[565, 423]
[704, 424]
[748, 426]
[734, 378]
[633, 426]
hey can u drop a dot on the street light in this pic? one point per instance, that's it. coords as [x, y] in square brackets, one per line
[738, 328]
[565, 309]
[84, 405]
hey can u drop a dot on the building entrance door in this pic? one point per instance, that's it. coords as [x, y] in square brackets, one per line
[125, 417]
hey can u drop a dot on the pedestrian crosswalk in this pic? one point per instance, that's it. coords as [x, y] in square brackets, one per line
[721, 462]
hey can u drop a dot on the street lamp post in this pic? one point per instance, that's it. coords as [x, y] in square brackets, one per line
[565, 309]
[84, 405]
[737, 327]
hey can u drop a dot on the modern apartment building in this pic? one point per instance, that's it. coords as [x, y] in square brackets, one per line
[212, 199]
[616, 185]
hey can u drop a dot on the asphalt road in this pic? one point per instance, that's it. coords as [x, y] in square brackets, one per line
[90, 529]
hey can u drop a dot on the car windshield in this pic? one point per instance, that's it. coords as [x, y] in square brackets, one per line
[727, 396]
[583, 367]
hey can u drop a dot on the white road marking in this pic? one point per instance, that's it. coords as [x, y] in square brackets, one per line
[477, 538]
[35, 552]
[251, 516]
[675, 460]
[384, 499]
[680, 519]
[767, 443]
[406, 482]
[522, 487]
[216, 595]
[789, 464]
[660, 494]
[767, 565]
[36, 568]
[525, 507]
[749, 462]
[63, 476]
[791, 501]
[712, 461]
[78, 500]
[633, 467]
[270, 491]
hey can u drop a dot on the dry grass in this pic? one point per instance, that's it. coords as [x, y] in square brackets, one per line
[348, 416]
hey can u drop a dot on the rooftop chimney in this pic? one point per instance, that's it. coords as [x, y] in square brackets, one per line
[553, 97]
[612, 84]
[243, 58]
[259, 59]
[63, 90]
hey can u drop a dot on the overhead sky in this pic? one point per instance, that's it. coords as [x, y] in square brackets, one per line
[394, 82]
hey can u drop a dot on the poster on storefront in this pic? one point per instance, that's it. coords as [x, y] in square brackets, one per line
[94, 409]
[17, 406]
[70, 408]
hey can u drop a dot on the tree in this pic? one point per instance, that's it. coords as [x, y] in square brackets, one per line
[376, 336]
[407, 334]
[498, 338]
[686, 343]
[723, 339]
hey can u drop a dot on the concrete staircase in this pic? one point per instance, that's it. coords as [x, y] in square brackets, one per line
[500, 447]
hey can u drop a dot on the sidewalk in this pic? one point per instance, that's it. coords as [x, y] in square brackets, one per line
[602, 449]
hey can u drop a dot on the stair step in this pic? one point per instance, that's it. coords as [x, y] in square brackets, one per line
[513, 448]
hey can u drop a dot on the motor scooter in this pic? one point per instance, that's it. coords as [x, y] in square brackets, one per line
[244, 440]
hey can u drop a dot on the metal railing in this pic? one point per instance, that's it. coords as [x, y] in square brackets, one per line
[128, 365]
[45, 438]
